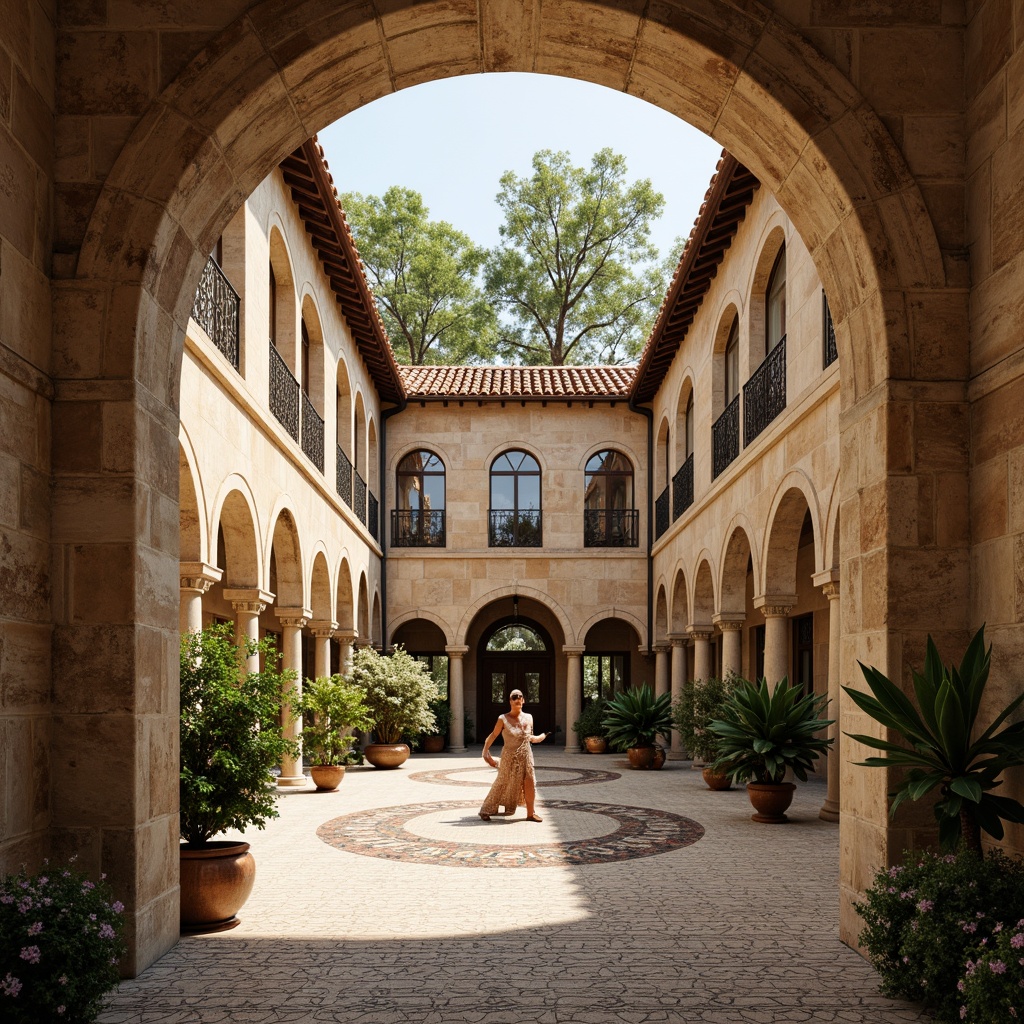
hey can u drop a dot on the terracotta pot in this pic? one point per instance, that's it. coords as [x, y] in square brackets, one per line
[770, 800]
[433, 744]
[386, 755]
[659, 758]
[641, 757]
[327, 777]
[216, 879]
[716, 780]
[596, 744]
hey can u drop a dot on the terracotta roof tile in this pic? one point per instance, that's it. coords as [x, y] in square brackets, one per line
[517, 381]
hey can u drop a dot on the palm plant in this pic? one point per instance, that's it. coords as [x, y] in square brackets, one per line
[941, 753]
[635, 717]
[762, 733]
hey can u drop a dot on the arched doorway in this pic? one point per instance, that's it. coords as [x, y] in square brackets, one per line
[516, 653]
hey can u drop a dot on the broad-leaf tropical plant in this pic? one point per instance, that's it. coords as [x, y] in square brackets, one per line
[635, 717]
[942, 746]
[764, 731]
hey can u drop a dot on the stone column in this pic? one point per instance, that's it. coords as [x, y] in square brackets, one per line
[732, 644]
[776, 611]
[292, 620]
[322, 631]
[456, 698]
[830, 588]
[573, 695]
[661, 677]
[196, 579]
[346, 638]
[701, 637]
[248, 604]
[678, 673]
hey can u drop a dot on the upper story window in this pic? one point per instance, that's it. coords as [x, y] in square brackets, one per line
[775, 302]
[515, 514]
[609, 519]
[689, 424]
[732, 362]
[418, 519]
[273, 307]
[304, 365]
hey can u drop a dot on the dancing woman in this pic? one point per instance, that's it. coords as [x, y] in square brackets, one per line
[516, 782]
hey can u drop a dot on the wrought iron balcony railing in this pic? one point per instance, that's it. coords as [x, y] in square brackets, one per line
[725, 438]
[284, 393]
[764, 395]
[417, 528]
[661, 514]
[510, 529]
[682, 488]
[829, 333]
[611, 528]
[373, 515]
[215, 309]
[343, 484]
[312, 434]
[359, 496]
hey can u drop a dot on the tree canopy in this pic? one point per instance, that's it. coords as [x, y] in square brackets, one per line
[424, 275]
[575, 272]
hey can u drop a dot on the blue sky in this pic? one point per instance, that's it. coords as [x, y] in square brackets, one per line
[451, 140]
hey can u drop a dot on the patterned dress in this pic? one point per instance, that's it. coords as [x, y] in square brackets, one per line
[514, 767]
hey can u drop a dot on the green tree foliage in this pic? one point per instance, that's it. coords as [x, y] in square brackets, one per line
[424, 276]
[575, 273]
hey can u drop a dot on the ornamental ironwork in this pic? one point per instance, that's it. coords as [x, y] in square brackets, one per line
[417, 528]
[215, 309]
[828, 330]
[359, 497]
[725, 438]
[284, 393]
[373, 515]
[515, 529]
[682, 488]
[312, 434]
[343, 484]
[661, 514]
[764, 395]
[611, 528]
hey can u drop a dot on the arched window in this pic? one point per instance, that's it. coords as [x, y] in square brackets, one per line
[515, 514]
[609, 519]
[516, 637]
[418, 518]
[304, 360]
[775, 302]
[273, 307]
[732, 362]
[689, 424]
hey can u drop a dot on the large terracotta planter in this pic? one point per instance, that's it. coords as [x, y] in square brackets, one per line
[641, 757]
[327, 777]
[386, 755]
[216, 879]
[770, 800]
[433, 744]
[716, 780]
[596, 744]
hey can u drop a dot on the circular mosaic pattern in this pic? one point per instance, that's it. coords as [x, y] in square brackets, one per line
[384, 832]
[577, 776]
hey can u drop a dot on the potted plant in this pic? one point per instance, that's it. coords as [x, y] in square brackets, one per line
[231, 736]
[762, 734]
[434, 742]
[633, 719]
[397, 690]
[331, 707]
[699, 705]
[590, 728]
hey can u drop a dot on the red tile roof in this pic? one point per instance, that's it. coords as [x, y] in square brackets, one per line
[517, 381]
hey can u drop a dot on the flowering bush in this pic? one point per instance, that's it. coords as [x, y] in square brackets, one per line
[926, 918]
[60, 943]
[992, 988]
[398, 691]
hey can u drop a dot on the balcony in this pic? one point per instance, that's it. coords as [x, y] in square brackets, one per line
[418, 528]
[373, 516]
[725, 438]
[215, 309]
[359, 497]
[682, 488]
[661, 514]
[764, 395]
[611, 528]
[284, 393]
[343, 483]
[312, 434]
[510, 529]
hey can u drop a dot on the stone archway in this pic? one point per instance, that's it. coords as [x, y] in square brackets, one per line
[246, 93]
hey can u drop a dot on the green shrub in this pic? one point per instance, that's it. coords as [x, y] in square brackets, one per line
[992, 988]
[701, 703]
[397, 690]
[591, 720]
[331, 707]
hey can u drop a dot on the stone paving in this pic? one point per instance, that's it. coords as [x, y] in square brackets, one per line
[738, 926]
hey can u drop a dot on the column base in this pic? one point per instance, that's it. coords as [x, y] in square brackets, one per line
[291, 781]
[572, 749]
[677, 755]
[829, 811]
[456, 750]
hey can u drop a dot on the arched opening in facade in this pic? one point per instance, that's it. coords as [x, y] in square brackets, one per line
[611, 659]
[426, 642]
[516, 653]
[282, 314]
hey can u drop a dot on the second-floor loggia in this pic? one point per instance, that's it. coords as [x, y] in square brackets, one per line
[609, 518]
[418, 521]
[215, 308]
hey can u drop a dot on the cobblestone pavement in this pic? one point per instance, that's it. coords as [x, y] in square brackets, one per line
[740, 926]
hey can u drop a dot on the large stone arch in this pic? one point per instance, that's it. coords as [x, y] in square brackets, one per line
[638, 625]
[285, 548]
[320, 602]
[703, 606]
[345, 605]
[234, 514]
[794, 498]
[194, 536]
[512, 591]
[739, 550]
[680, 617]
[394, 625]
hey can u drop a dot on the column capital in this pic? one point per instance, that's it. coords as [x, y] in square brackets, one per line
[345, 636]
[662, 648]
[574, 649]
[248, 599]
[700, 632]
[322, 628]
[456, 650]
[775, 605]
[293, 616]
[679, 639]
[198, 576]
[729, 620]
[831, 590]
[362, 641]
[819, 579]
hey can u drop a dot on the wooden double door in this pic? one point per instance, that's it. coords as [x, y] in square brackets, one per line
[500, 674]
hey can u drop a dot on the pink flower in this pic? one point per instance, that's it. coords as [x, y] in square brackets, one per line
[1017, 941]
[62, 980]
[925, 905]
[61, 1008]
[10, 986]
[117, 906]
[106, 932]
[31, 954]
[963, 1012]
[997, 967]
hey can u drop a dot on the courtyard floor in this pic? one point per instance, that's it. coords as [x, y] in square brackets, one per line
[641, 897]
